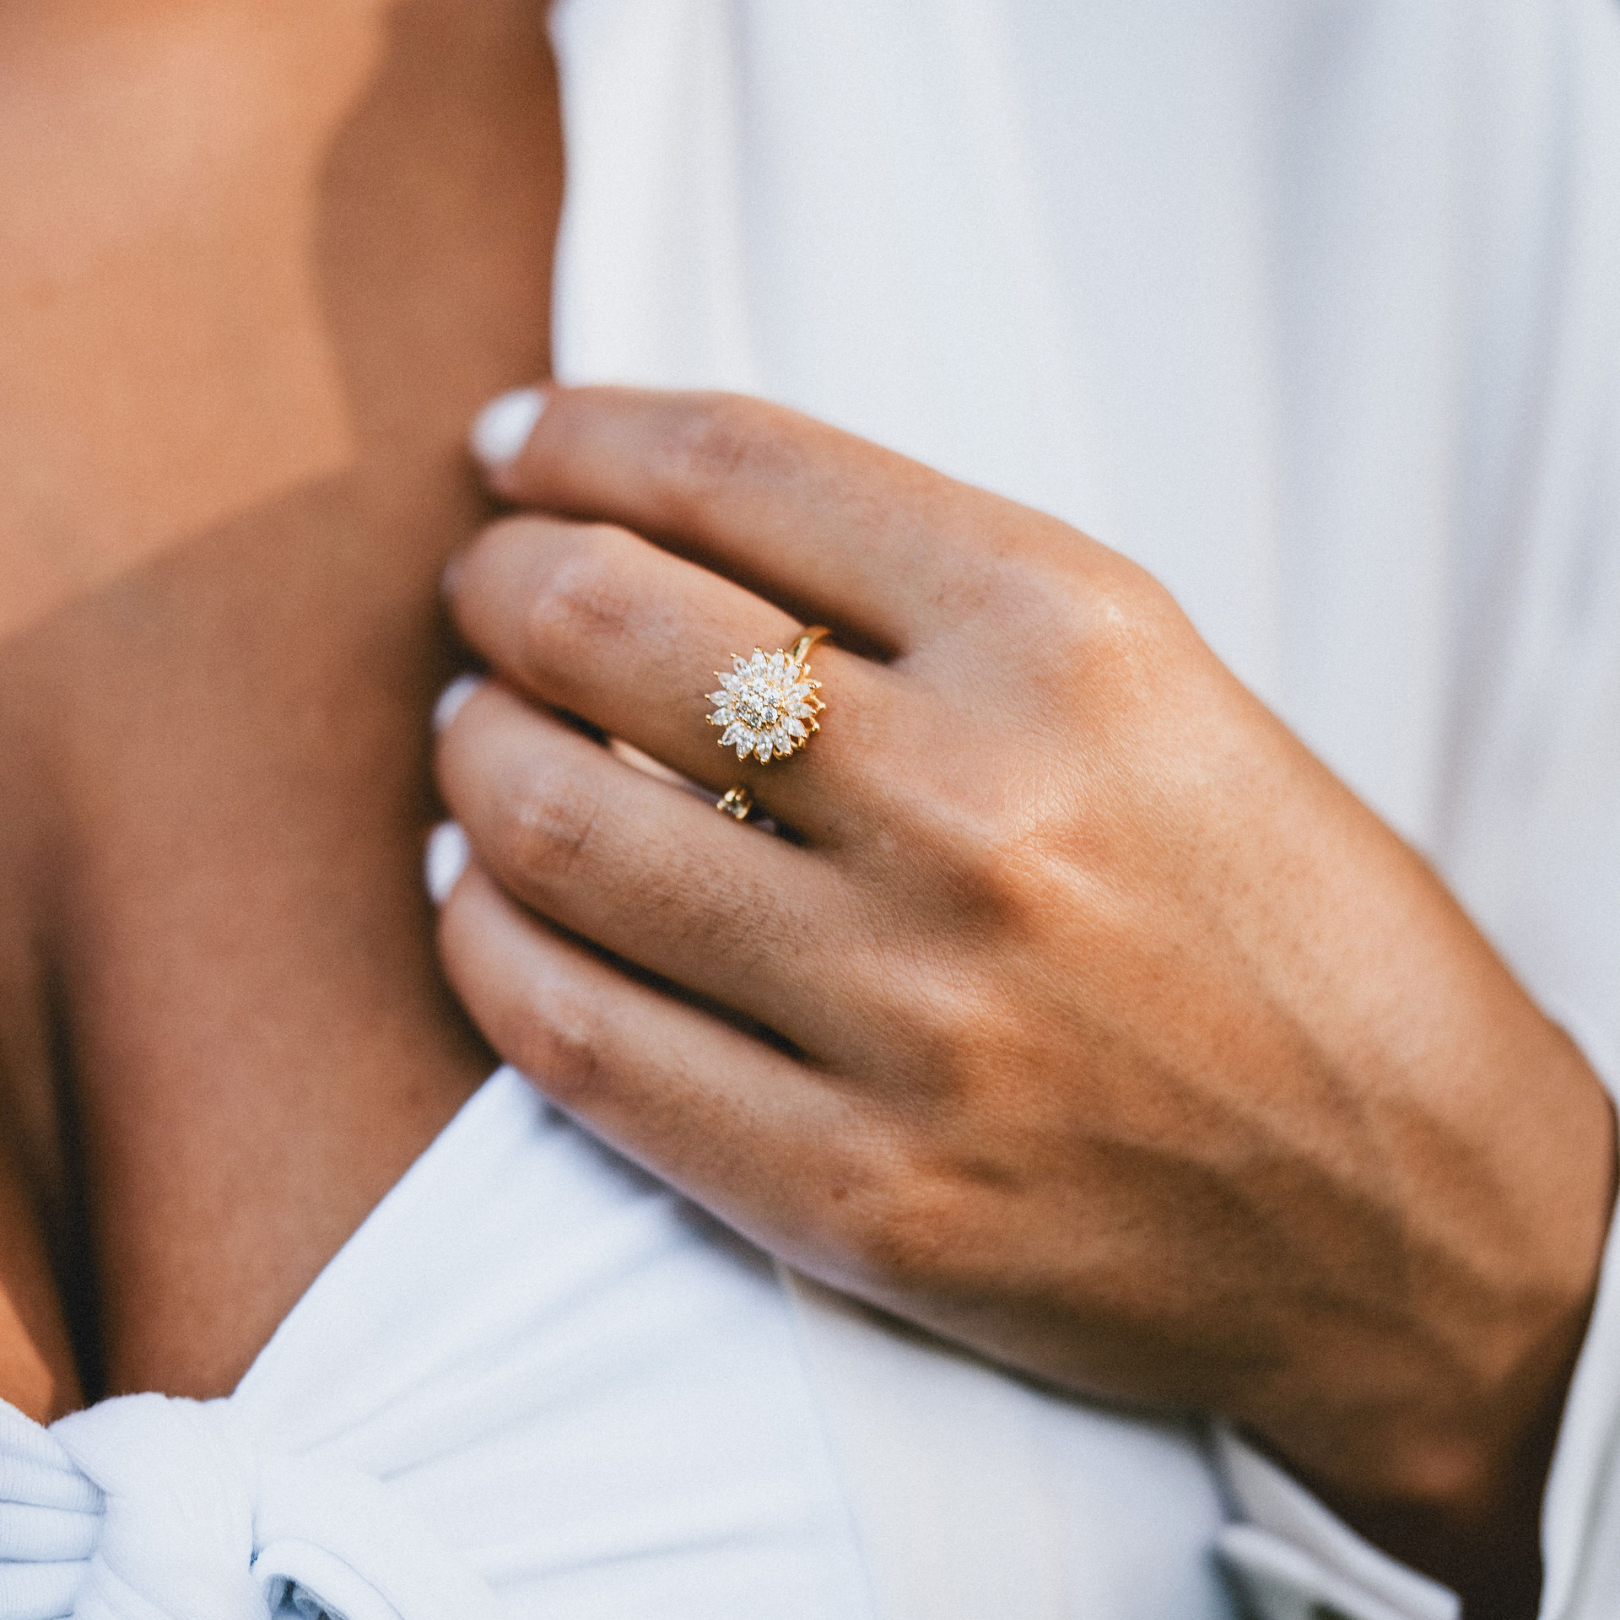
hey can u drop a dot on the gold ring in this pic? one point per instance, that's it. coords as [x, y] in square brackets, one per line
[768, 704]
[736, 802]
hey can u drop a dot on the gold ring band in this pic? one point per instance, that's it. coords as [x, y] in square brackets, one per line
[800, 650]
[767, 705]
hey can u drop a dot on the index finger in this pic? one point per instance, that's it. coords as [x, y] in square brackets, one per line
[827, 525]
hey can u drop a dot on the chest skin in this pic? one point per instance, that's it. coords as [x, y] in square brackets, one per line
[260, 265]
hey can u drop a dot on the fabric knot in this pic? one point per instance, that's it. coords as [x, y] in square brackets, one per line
[146, 1508]
[180, 1481]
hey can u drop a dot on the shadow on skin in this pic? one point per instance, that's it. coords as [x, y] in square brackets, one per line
[222, 1029]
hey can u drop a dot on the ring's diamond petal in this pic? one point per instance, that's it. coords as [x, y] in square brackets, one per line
[767, 705]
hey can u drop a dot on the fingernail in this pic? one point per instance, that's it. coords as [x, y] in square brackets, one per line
[502, 428]
[452, 698]
[445, 860]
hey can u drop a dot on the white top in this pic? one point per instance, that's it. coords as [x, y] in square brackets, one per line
[536, 1385]
[1314, 310]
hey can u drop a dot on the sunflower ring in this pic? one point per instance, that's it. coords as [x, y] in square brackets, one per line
[767, 706]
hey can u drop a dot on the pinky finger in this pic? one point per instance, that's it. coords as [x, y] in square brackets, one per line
[772, 1148]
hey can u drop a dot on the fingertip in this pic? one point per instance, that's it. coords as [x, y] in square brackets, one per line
[503, 427]
[445, 859]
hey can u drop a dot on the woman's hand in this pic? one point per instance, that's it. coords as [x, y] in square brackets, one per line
[1082, 1016]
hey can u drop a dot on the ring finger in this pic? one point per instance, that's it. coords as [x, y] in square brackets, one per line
[593, 619]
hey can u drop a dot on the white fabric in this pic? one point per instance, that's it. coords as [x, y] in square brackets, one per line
[1313, 309]
[536, 1383]
[1296, 1558]
[981, 1497]
[192, 1513]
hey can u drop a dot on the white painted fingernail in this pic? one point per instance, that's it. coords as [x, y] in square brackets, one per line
[453, 698]
[502, 428]
[445, 860]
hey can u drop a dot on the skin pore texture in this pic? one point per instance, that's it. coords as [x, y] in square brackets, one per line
[259, 264]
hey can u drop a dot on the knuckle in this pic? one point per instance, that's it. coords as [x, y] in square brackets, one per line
[584, 599]
[899, 1224]
[1124, 619]
[542, 827]
[1003, 874]
[559, 1036]
[988, 866]
[709, 442]
[1077, 607]
[914, 1179]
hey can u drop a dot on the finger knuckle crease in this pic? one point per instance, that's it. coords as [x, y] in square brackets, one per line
[709, 446]
[565, 1044]
[907, 1236]
[585, 601]
[547, 826]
